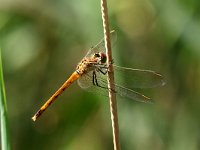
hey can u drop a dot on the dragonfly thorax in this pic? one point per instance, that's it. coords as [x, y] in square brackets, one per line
[88, 64]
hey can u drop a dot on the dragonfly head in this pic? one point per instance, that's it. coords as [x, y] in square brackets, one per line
[101, 57]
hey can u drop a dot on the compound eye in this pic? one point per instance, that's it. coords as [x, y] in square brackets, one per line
[103, 58]
[97, 55]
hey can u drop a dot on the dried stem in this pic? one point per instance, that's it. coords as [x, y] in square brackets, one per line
[112, 95]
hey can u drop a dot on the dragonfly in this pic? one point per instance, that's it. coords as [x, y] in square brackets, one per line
[91, 75]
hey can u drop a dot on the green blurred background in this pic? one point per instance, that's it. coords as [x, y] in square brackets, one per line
[42, 42]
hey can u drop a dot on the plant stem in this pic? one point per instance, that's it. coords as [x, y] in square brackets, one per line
[5, 140]
[110, 77]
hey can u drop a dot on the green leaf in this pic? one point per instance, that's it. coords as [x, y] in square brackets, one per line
[5, 140]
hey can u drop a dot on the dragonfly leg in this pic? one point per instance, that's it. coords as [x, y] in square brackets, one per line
[104, 72]
[95, 81]
[104, 68]
[111, 62]
[93, 78]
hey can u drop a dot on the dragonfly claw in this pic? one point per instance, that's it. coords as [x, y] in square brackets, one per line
[111, 62]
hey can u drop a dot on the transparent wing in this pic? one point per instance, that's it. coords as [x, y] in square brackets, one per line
[100, 47]
[86, 82]
[137, 78]
[131, 94]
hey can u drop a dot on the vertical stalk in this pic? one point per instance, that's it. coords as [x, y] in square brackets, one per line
[110, 78]
[5, 140]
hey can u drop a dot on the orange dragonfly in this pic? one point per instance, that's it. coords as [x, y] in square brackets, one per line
[91, 74]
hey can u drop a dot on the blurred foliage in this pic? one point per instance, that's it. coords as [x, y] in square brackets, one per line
[42, 41]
